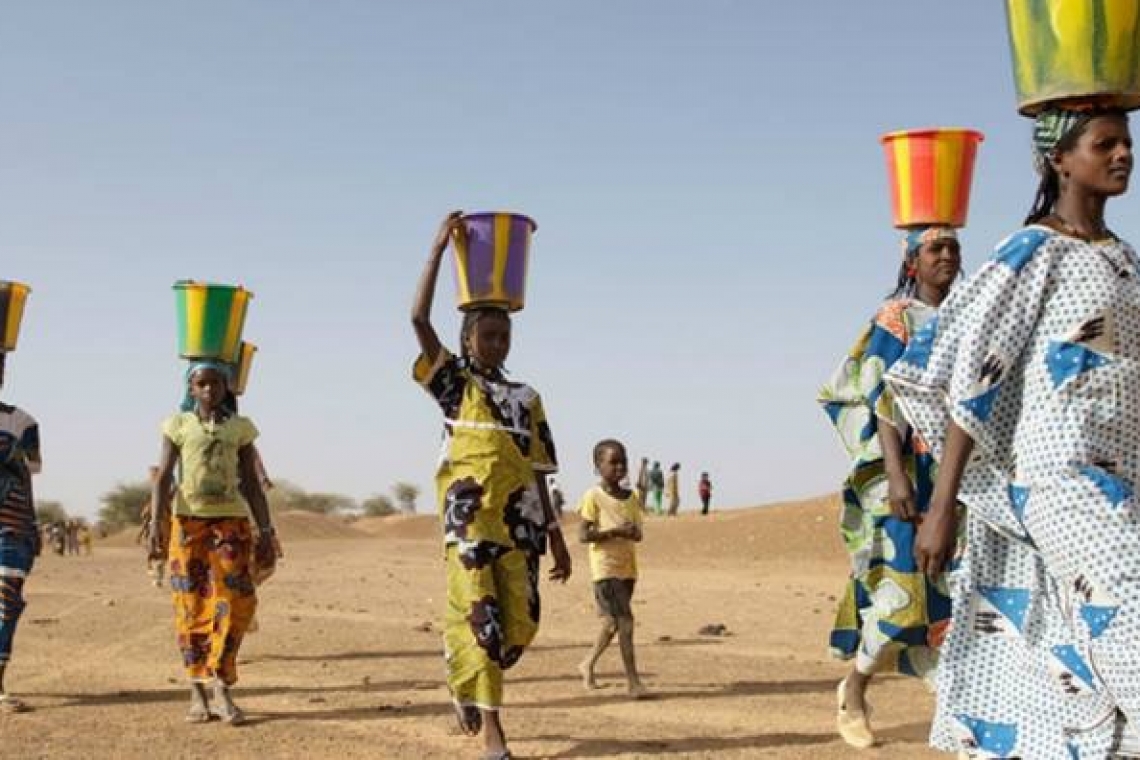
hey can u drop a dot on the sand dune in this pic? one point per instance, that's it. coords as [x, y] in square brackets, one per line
[347, 662]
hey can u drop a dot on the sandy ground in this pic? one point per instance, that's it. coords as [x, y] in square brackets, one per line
[347, 662]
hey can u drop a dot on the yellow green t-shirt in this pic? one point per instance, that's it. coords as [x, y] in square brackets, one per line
[208, 464]
[615, 557]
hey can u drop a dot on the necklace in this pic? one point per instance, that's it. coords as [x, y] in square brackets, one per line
[1102, 233]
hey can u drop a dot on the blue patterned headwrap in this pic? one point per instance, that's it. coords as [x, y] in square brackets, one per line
[916, 236]
[197, 366]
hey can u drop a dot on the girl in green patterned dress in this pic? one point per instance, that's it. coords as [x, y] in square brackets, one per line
[496, 513]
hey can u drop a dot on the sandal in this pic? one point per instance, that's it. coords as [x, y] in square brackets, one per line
[226, 711]
[198, 713]
[854, 727]
[470, 721]
[231, 715]
[504, 755]
[10, 705]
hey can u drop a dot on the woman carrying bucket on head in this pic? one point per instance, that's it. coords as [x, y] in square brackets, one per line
[494, 506]
[20, 538]
[1029, 391]
[209, 535]
[892, 617]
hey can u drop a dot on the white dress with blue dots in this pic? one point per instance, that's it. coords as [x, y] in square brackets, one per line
[1037, 358]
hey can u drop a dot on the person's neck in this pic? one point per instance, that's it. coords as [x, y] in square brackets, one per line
[930, 295]
[1081, 215]
[210, 415]
[613, 489]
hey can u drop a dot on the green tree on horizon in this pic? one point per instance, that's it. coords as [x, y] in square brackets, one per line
[49, 511]
[378, 506]
[406, 494]
[121, 506]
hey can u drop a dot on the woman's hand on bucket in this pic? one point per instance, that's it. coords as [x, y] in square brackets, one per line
[446, 229]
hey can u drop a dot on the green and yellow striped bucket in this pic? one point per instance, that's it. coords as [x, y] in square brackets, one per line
[241, 369]
[210, 320]
[13, 296]
[1075, 53]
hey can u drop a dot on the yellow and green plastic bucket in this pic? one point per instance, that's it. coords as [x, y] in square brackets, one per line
[210, 320]
[13, 296]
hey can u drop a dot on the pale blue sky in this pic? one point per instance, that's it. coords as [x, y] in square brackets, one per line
[709, 188]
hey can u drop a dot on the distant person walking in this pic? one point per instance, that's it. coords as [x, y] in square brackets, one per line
[656, 487]
[704, 490]
[642, 485]
[673, 489]
[72, 537]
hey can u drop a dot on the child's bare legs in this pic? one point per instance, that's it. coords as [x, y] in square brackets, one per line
[628, 659]
[605, 636]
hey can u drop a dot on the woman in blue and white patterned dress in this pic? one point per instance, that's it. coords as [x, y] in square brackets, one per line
[1027, 385]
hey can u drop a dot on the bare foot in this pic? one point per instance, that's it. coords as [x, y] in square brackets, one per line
[637, 690]
[588, 680]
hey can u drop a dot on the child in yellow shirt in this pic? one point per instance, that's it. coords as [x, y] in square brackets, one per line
[611, 525]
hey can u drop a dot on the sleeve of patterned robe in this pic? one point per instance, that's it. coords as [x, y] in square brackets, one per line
[960, 364]
[856, 397]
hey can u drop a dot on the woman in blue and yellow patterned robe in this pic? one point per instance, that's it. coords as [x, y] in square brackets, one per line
[891, 617]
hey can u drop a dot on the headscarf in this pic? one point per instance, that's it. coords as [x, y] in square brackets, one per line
[1049, 128]
[222, 368]
[916, 237]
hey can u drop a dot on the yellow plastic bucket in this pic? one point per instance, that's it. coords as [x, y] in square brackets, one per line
[1075, 53]
[241, 369]
[210, 320]
[13, 296]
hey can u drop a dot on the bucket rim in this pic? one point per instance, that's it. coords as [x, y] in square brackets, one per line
[1117, 100]
[485, 214]
[188, 284]
[932, 132]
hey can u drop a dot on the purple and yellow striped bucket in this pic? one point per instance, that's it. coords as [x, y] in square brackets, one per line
[13, 296]
[210, 320]
[241, 369]
[491, 252]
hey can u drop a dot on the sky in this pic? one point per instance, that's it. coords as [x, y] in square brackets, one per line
[711, 195]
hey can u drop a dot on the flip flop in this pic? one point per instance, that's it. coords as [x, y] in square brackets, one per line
[10, 705]
[198, 713]
[234, 717]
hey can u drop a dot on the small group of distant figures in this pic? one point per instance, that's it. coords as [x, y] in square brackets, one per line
[70, 537]
[660, 492]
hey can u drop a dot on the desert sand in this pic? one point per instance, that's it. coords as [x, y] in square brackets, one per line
[347, 661]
